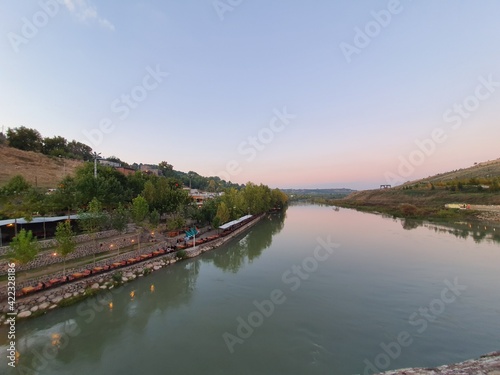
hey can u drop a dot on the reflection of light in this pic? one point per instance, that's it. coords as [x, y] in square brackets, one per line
[111, 305]
[152, 288]
[132, 294]
[56, 339]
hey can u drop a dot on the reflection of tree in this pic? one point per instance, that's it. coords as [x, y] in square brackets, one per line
[133, 305]
[232, 256]
[463, 230]
[409, 224]
[478, 236]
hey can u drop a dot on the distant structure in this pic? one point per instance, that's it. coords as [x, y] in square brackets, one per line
[150, 169]
[385, 186]
[126, 170]
[109, 163]
[199, 196]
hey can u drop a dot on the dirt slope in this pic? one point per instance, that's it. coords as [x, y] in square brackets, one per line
[38, 169]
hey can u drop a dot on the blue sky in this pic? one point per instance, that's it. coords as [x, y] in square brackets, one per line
[287, 93]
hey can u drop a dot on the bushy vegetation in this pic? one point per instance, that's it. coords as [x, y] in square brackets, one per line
[27, 139]
[475, 184]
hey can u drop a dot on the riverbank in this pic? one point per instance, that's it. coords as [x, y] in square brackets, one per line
[65, 295]
[426, 204]
[488, 364]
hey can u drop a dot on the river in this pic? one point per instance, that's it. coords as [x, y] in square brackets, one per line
[311, 291]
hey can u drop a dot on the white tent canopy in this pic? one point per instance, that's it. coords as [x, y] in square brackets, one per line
[234, 222]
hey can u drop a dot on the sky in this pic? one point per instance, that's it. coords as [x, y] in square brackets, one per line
[292, 94]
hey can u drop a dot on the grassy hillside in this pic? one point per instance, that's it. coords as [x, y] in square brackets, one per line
[477, 186]
[36, 168]
[488, 169]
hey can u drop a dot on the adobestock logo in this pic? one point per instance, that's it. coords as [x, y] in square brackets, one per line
[250, 147]
[455, 115]
[364, 36]
[123, 105]
[31, 26]
[419, 319]
[293, 278]
[221, 7]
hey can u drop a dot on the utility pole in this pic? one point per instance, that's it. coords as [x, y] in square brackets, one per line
[96, 156]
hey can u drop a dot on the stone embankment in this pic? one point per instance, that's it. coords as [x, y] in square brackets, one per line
[488, 364]
[44, 301]
[86, 245]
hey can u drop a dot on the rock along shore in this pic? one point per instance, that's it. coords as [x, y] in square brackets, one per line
[488, 364]
[42, 302]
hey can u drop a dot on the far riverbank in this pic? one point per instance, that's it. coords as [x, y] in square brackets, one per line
[425, 204]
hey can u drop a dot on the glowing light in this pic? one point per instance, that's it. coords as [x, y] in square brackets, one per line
[54, 254]
[132, 294]
[152, 288]
[55, 339]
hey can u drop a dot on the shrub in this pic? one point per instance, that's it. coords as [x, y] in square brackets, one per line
[408, 209]
[117, 277]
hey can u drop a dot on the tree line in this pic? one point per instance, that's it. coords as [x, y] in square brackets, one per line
[111, 200]
[28, 139]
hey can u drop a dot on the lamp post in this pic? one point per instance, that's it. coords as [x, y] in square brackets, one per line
[96, 156]
[64, 164]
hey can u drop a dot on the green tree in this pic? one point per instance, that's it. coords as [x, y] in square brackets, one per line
[64, 199]
[25, 139]
[216, 223]
[166, 169]
[55, 146]
[92, 220]
[80, 151]
[110, 186]
[176, 221]
[154, 220]
[23, 247]
[140, 211]
[223, 213]
[119, 218]
[65, 238]
[18, 199]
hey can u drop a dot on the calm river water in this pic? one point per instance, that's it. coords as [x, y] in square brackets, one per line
[312, 291]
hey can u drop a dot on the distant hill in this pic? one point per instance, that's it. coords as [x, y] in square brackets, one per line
[476, 185]
[38, 169]
[319, 193]
[488, 169]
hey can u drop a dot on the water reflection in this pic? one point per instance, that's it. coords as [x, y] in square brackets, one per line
[250, 247]
[46, 341]
[477, 231]
[53, 341]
